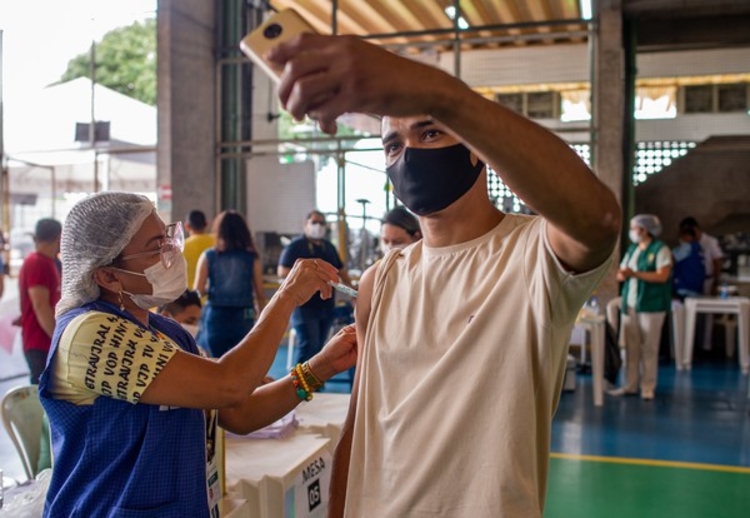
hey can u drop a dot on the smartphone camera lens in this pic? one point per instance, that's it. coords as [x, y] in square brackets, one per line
[272, 31]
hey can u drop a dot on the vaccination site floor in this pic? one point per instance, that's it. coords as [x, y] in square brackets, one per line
[686, 454]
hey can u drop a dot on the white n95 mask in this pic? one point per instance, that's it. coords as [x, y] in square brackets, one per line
[191, 328]
[316, 232]
[166, 284]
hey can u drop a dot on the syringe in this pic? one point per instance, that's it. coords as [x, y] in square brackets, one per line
[343, 288]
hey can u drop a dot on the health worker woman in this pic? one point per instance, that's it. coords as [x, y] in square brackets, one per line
[130, 401]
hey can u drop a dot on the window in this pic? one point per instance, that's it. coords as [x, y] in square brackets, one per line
[732, 97]
[541, 105]
[699, 99]
[511, 101]
[535, 105]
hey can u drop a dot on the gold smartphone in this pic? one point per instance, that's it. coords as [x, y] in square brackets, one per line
[279, 28]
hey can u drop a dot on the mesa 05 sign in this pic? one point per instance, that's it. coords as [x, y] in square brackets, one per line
[311, 487]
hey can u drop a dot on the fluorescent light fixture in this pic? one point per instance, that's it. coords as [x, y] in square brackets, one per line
[451, 12]
[586, 10]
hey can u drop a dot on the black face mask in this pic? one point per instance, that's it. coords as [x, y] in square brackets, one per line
[429, 180]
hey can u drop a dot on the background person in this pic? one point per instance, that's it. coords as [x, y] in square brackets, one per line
[185, 310]
[126, 391]
[463, 336]
[231, 274]
[400, 229]
[313, 320]
[689, 273]
[197, 242]
[646, 298]
[712, 256]
[39, 290]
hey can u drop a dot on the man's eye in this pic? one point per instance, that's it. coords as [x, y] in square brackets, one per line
[392, 148]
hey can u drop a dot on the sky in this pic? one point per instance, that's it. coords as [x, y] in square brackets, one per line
[41, 36]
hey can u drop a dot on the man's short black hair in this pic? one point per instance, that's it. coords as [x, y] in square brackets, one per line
[690, 221]
[47, 230]
[400, 217]
[187, 299]
[315, 212]
[197, 219]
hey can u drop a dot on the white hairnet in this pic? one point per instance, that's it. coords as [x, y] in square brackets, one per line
[95, 232]
[651, 223]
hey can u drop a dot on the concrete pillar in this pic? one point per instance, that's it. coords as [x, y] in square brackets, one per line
[186, 94]
[608, 90]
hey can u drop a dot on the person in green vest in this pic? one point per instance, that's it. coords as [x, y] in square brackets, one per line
[645, 272]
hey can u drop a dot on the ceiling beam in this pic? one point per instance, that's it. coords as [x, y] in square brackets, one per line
[692, 33]
[681, 8]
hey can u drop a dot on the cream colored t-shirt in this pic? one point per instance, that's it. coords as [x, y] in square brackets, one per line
[100, 354]
[461, 372]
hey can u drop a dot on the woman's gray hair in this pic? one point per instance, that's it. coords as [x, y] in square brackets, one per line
[651, 223]
[96, 231]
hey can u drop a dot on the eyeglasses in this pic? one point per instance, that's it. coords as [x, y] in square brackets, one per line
[318, 222]
[169, 249]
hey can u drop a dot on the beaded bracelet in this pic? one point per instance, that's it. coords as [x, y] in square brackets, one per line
[299, 387]
[302, 379]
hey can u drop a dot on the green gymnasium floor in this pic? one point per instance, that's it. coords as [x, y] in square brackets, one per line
[587, 486]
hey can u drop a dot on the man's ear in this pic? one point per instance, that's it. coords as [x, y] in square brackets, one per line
[106, 279]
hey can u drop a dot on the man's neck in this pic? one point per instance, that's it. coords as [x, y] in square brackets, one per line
[47, 250]
[456, 225]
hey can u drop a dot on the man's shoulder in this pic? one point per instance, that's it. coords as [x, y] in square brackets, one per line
[711, 245]
[330, 247]
[708, 239]
[298, 243]
[200, 241]
[37, 263]
[32, 259]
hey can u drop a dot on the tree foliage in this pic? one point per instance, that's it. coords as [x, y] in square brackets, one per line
[125, 61]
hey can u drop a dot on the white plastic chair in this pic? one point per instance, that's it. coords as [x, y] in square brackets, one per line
[23, 420]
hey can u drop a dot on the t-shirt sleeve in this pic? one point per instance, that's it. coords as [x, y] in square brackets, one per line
[289, 255]
[104, 355]
[663, 257]
[557, 294]
[41, 273]
[624, 261]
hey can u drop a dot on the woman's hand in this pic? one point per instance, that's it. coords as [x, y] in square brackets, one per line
[307, 277]
[338, 355]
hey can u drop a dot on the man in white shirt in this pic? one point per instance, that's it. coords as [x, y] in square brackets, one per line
[712, 256]
[462, 336]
